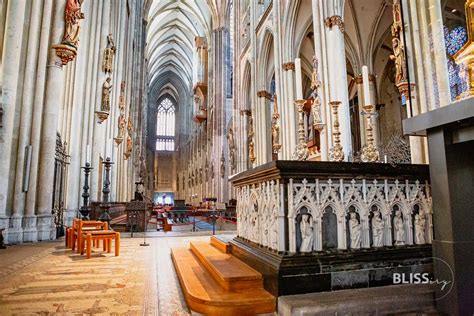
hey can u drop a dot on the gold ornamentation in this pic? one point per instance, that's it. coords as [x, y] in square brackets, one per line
[301, 151]
[336, 153]
[370, 152]
[275, 127]
[398, 55]
[334, 20]
[250, 140]
[465, 56]
[289, 66]
[109, 53]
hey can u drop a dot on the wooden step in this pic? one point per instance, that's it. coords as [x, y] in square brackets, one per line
[221, 242]
[227, 270]
[205, 295]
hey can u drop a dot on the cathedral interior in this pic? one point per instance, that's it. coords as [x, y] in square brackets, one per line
[236, 157]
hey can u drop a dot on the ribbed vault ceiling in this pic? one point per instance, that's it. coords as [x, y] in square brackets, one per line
[172, 27]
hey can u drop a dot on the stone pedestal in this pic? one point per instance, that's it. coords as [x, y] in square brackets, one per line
[450, 132]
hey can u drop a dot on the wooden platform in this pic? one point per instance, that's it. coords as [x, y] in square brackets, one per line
[216, 283]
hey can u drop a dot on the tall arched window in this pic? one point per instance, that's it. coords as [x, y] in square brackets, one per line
[165, 125]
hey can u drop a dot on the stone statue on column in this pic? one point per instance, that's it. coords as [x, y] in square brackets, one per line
[231, 143]
[109, 53]
[275, 127]
[67, 49]
[250, 140]
[106, 88]
[354, 231]
[399, 229]
[72, 15]
[399, 58]
[378, 226]
[306, 228]
[420, 229]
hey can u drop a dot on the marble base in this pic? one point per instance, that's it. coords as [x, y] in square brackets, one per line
[289, 274]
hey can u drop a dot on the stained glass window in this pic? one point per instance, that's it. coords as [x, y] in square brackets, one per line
[165, 125]
[455, 39]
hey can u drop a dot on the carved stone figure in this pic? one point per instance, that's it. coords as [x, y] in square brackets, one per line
[109, 53]
[377, 229]
[399, 58]
[231, 143]
[306, 228]
[399, 229]
[275, 127]
[121, 125]
[72, 15]
[354, 231]
[420, 229]
[250, 140]
[106, 88]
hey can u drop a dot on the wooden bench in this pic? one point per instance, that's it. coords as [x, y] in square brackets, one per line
[74, 233]
[105, 235]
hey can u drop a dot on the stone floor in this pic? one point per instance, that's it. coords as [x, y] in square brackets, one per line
[48, 279]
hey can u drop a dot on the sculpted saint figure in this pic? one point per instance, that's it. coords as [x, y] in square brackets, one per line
[106, 87]
[420, 229]
[231, 143]
[306, 228]
[399, 58]
[109, 53]
[399, 229]
[121, 125]
[72, 15]
[377, 229]
[354, 230]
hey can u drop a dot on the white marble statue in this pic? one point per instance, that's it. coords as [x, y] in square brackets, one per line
[306, 227]
[399, 229]
[354, 230]
[377, 229]
[420, 229]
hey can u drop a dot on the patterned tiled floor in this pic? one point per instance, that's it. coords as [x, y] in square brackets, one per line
[56, 281]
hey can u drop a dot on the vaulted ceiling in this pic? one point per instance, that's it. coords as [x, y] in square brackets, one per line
[172, 27]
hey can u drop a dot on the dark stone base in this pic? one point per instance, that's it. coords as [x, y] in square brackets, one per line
[289, 274]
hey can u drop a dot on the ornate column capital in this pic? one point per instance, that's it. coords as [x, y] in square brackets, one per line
[246, 112]
[288, 66]
[372, 78]
[358, 79]
[334, 20]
